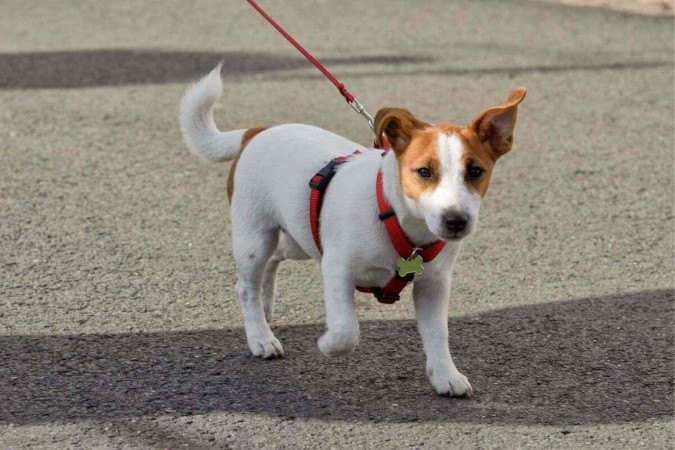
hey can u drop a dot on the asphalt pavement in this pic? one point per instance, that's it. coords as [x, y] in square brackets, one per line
[119, 325]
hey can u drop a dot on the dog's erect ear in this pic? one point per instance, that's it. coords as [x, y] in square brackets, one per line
[495, 125]
[398, 126]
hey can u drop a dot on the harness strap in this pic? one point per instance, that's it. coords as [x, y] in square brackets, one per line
[318, 185]
[390, 293]
[405, 249]
[399, 240]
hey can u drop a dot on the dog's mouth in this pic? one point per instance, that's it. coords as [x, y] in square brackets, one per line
[453, 237]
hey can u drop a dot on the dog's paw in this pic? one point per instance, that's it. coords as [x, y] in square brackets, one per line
[265, 346]
[337, 344]
[450, 383]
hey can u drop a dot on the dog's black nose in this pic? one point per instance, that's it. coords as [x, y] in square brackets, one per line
[456, 221]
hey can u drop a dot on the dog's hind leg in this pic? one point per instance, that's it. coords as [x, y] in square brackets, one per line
[286, 249]
[269, 285]
[253, 246]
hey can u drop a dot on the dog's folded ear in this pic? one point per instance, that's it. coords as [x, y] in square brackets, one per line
[495, 125]
[398, 126]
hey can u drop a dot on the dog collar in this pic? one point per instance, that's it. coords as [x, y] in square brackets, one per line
[411, 256]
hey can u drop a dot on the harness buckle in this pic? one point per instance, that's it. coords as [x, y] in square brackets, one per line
[407, 277]
[321, 179]
[387, 214]
[386, 297]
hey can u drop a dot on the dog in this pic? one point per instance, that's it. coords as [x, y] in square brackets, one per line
[434, 177]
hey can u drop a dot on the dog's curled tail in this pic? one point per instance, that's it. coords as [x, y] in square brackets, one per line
[196, 121]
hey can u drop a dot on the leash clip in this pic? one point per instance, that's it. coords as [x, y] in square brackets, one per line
[359, 108]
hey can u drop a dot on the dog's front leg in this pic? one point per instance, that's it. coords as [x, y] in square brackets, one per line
[343, 327]
[431, 297]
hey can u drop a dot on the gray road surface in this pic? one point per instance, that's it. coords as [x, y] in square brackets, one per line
[119, 326]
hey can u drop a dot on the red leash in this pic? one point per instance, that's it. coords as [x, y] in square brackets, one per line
[358, 107]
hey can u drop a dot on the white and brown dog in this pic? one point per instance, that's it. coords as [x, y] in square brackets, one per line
[434, 179]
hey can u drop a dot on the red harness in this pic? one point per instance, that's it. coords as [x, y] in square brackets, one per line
[391, 292]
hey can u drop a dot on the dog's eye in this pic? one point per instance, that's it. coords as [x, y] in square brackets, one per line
[474, 172]
[424, 172]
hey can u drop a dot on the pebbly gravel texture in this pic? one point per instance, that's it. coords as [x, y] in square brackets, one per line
[119, 326]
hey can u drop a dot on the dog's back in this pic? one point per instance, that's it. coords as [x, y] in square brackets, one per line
[272, 166]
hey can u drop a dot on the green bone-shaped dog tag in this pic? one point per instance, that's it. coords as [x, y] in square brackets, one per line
[410, 265]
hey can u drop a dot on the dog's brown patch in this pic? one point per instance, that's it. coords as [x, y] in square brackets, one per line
[422, 152]
[477, 154]
[414, 145]
[245, 139]
[495, 125]
[398, 125]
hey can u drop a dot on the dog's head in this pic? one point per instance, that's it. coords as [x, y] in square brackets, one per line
[445, 169]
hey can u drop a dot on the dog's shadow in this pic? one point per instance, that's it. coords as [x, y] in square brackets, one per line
[601, 360]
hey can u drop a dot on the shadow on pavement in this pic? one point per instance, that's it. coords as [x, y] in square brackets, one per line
[90, 68]
[597, 360]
